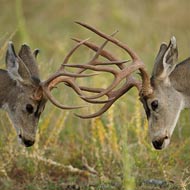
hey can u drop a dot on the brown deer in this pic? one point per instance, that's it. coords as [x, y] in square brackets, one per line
[24, 96]
[163, 95]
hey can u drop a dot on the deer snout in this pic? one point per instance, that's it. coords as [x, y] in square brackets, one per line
[26, 142]
[160, 143]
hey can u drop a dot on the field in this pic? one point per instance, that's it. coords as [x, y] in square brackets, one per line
[111, 152]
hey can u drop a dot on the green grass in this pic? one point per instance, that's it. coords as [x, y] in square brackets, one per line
[116, 145]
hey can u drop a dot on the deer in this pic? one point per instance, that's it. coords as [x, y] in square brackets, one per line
[163, 95]
[24, 96]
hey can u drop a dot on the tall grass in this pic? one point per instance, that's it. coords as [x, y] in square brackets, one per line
[22, 32]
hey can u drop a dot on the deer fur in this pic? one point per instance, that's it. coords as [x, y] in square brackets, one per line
[170, 83]
[17, 85]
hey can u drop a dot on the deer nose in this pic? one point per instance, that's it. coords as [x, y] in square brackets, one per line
[158, 143]
[28, 143]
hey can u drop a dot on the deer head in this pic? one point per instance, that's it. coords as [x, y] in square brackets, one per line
[18, 83]
[164, 105]
[23, 95]
[163, 95]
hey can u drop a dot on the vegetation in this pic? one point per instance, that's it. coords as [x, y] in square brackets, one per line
[108, 152]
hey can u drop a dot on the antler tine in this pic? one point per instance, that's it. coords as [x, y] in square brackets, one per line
[98, 53]
[66, 59]
[60, 71]
[57, 77]
[103, 53]
[113, 96]
[110, 57]
[118, 75]
[62, 76]
[46, 88]
[98, 113]
[99, 68]
[55, 102]
[112, 62]
[132, 54]
[93, 90]
[94, 47]
[146, 86]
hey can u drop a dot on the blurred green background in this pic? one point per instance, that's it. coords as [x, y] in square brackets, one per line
[116, 145]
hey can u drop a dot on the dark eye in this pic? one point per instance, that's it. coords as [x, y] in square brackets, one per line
[29, 108]
[154, 105]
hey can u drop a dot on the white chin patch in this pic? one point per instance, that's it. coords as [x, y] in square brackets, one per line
[166, 143]
[19, 140]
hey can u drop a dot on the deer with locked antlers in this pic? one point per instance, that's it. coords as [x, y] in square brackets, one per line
[24, 95]
[163, 95]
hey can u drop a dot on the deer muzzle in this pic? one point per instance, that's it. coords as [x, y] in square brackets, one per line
[161, 143]
[27, 142]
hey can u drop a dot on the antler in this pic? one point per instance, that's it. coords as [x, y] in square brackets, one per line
[94, 64]
[143, 86]
[61, 76]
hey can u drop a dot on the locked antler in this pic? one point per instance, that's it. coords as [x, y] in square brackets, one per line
[124, 73]
[60, 76]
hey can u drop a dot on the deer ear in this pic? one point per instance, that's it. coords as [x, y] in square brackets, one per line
[166, 60]
[36, 52]
[15, 67]
[29, 60]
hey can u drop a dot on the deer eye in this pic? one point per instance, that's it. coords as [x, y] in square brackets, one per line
[29, 108]
[154, 105]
